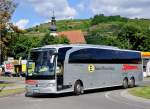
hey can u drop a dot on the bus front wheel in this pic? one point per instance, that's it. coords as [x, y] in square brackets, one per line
[78, 88]
[28, 95]
[125, 83]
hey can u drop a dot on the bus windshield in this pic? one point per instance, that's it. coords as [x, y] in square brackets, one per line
[41, 63]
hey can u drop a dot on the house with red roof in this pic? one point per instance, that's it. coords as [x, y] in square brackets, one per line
[74, 36]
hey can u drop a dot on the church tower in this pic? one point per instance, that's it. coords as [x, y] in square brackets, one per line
[53, 27]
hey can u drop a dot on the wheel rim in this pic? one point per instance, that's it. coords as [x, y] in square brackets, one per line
[132, 83]
[78, 88]
[125, 83]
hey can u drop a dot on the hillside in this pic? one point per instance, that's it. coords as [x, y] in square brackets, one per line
[103, 25]
[107, 30]
[104, 30]
[62, 25]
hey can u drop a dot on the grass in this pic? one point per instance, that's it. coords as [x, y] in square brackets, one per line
[11, 78]
[6, 82]
[5, 85]
[143, 91]
[11, 92]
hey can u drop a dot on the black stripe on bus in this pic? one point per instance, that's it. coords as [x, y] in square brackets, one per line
[105, 61]
[40, 77]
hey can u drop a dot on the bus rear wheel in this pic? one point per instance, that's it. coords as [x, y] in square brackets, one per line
[132, 83]
[78, 88]
[125, 83]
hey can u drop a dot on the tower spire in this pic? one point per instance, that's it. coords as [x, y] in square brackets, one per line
[53, 27]
[53, 13]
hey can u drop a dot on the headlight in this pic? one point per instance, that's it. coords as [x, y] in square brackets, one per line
[51, 84]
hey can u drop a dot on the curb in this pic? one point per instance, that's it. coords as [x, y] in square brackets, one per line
[127, 95]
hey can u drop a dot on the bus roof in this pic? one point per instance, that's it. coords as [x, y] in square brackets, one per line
[57, 46]
[77, 45]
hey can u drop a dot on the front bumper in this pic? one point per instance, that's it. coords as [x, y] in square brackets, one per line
[36, 90]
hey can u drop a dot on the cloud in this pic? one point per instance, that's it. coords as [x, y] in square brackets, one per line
[81, 6]
[61, 8]
[22, 23]
[127, 8]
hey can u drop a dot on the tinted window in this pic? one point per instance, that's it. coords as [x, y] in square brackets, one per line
[79, 56]
[62, 53]
[93, 55]
[128, 57]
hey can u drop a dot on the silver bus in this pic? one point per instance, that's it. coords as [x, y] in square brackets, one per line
[75, 68]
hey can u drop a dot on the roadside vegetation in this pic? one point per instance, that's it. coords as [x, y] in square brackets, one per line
[9, 88]
[11, 92]
[5, 85]
[115, 30]
[143, 91]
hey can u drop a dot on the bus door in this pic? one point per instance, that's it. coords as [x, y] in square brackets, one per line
[59, 74]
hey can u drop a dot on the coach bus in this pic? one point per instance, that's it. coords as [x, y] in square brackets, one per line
[75, 68]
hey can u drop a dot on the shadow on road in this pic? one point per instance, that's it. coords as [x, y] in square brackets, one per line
[93, 91]
[72, 94]
[53, 95]
[103, 90]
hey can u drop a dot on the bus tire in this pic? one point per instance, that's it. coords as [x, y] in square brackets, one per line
[78, 88]
[125, 83]
[27, 95]
[132, 82]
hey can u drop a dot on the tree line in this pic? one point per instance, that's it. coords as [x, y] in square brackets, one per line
[14, 42]
[118, 31]
[104, 30]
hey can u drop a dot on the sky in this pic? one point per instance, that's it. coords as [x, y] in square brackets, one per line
[33, 12]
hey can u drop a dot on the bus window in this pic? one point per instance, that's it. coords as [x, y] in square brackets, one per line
[41, 63]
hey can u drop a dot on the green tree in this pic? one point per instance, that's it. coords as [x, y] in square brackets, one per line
[99, 38]
[7, 8]
[24, 43]
[22, 46]
[127, 36]
[49, 39]
[101, 18]
[144, 45]
[132, 35]
[98, 19]
[61, 40]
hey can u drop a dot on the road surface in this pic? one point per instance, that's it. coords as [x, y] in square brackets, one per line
[109, 98]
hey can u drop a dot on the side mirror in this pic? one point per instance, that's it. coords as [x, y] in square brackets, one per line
[52, 59]
[55, 54]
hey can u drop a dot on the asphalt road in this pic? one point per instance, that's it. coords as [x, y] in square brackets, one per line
[109, 98]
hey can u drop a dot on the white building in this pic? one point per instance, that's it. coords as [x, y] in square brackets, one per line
[146, 63]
